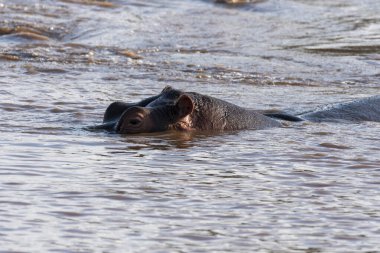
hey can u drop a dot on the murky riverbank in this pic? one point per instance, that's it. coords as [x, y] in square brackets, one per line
[303, 188]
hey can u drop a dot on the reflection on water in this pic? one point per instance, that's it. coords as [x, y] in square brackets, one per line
[306, 187]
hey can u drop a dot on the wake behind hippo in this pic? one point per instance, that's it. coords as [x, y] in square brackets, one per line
[187, 111]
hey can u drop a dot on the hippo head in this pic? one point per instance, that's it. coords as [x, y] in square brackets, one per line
[159, 115]
[178, 110]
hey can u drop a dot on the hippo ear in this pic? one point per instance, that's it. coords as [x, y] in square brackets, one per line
[185, 105]
[167, 88]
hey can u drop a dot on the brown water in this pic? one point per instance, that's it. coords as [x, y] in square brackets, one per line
[307, 187]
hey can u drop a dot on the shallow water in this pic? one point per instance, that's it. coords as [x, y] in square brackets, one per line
[306, 187]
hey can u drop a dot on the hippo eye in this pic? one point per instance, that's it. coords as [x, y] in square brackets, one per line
[134, 122]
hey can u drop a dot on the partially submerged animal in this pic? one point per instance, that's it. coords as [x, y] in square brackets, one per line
[186, 111]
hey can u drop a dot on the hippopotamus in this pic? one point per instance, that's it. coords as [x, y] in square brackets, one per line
[174, 109]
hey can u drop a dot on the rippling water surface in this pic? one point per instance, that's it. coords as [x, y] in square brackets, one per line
[306, 187]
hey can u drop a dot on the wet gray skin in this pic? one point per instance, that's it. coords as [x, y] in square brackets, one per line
[177, 110]
[365, 109]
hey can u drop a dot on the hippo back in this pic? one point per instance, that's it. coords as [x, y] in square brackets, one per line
[366, 109]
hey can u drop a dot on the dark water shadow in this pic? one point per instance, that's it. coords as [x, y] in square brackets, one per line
[249, 5]
[345, 50]
[238, 3]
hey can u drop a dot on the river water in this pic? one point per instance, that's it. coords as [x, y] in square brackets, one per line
[306, 187]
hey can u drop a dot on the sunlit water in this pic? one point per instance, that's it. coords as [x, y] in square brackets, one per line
[306, 187]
